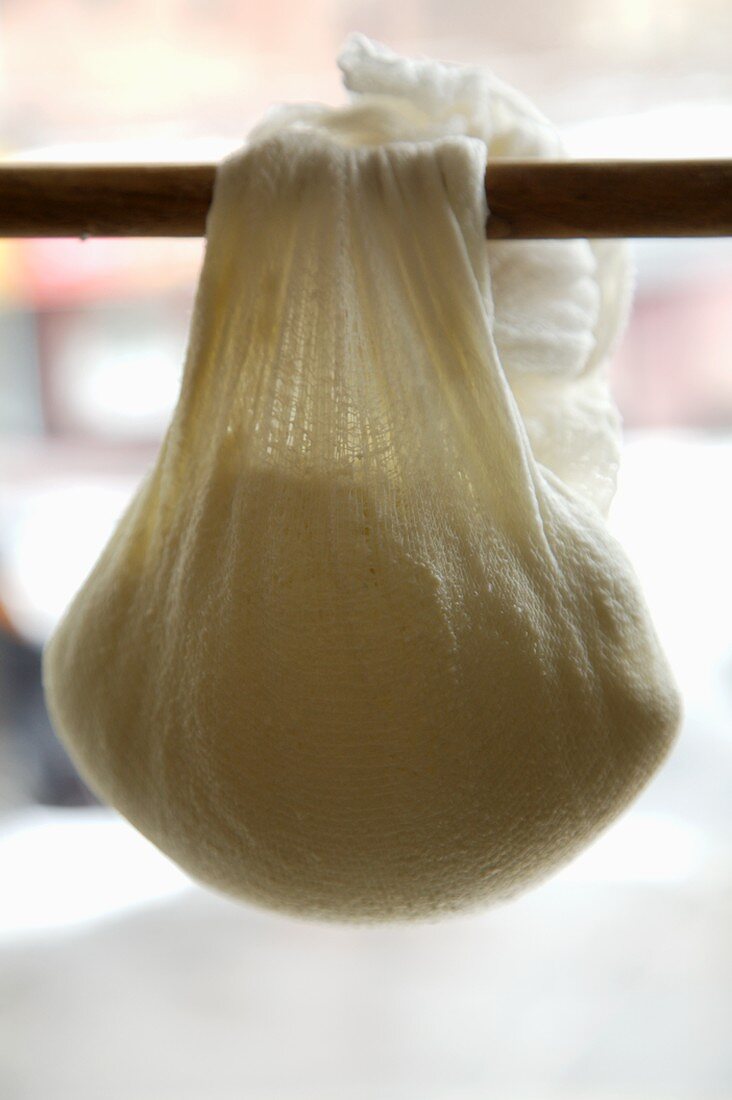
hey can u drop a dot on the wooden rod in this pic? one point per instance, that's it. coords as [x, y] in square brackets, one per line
[526, 199]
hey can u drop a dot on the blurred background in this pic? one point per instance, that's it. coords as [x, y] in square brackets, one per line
[118, 977]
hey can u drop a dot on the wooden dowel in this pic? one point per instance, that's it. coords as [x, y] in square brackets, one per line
[610, 198]
[526, 199]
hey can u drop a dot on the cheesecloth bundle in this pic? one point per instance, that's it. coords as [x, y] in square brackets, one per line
[361, 646]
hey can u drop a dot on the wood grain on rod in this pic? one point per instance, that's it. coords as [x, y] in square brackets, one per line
[526, 199]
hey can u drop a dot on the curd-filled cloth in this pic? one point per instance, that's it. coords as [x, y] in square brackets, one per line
[362, 647]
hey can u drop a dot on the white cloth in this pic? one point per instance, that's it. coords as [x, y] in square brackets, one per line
[361, 646]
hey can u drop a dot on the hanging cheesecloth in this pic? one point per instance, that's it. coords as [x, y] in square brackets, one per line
[361, 646]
